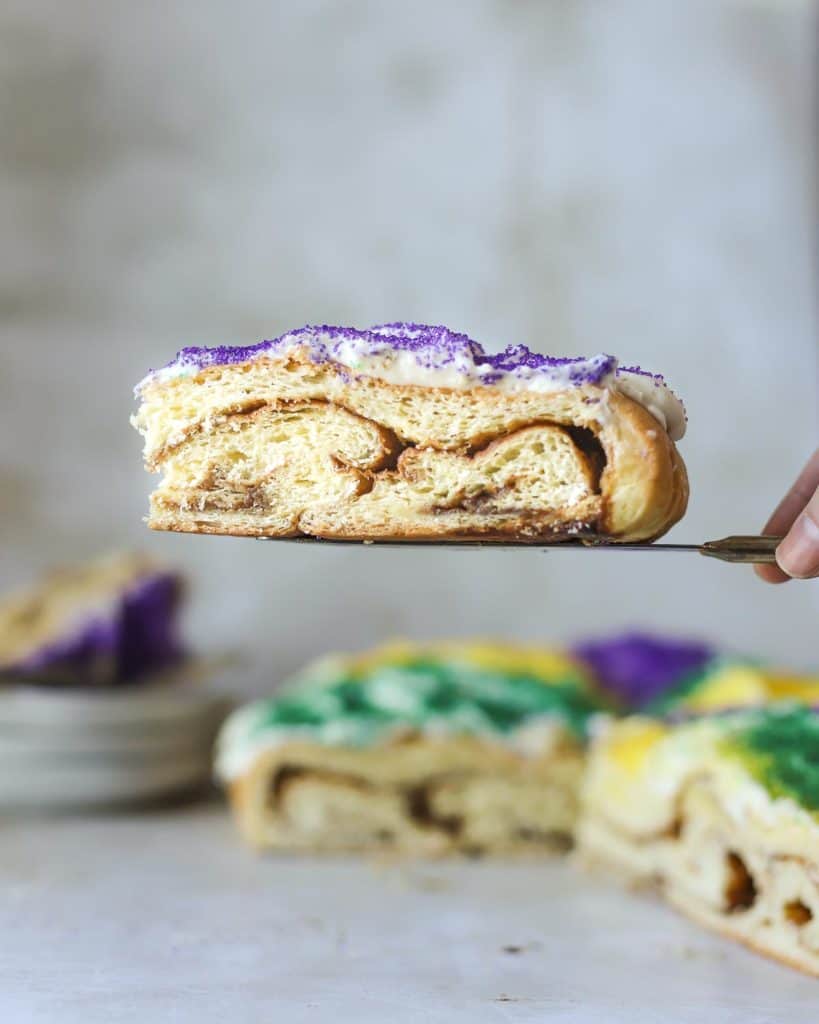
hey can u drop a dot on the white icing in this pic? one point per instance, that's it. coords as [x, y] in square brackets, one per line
[236, 752]
[656, 397]
[449, 362]
[687, 752]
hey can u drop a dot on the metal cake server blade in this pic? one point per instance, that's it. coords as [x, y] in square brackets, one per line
[743, 549]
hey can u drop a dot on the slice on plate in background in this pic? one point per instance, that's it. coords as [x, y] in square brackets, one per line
[101, 703]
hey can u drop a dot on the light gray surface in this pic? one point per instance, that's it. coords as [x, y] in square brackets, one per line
[167, 918]
[634, 176]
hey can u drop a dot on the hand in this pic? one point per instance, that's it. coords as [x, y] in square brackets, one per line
[797, 518]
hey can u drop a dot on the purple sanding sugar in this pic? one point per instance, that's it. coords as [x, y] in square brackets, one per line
[87, 654]
[149, 631]
[433, 347]
[656, 377]
[138, 636]
[637, 667]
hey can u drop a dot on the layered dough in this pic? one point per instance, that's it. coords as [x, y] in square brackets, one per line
[674, 812]
[415, 796]
[289, 447]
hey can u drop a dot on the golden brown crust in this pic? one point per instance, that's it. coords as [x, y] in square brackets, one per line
[644, 484]
[807, 963]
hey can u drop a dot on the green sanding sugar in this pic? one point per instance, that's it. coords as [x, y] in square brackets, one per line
[419, 692]
[779, 746]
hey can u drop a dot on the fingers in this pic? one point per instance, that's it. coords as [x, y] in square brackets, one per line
[796, 499]
[771, 573]
[801, 550]
[798, 554]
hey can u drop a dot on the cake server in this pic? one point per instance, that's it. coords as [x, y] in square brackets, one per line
[748, 550]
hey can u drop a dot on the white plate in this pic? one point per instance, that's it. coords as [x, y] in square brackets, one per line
[90, 709]
[87, 748]
[28, 742]
[82, 782]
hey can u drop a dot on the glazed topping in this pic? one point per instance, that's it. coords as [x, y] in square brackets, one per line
[676, 678]
[406, 353]
[776, 747]
[723, 684]
[779, 746]
[357, 702]
[639, 668]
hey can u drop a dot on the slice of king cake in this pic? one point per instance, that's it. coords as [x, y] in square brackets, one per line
[409, 432]
[723, 812]
[424, 750]
[107, 622]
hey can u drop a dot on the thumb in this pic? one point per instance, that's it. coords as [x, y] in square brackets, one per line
[798, 554]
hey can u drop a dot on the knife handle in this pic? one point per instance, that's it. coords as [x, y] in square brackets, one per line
[756, 550]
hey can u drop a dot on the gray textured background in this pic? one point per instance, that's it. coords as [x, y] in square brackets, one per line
[635, 177]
